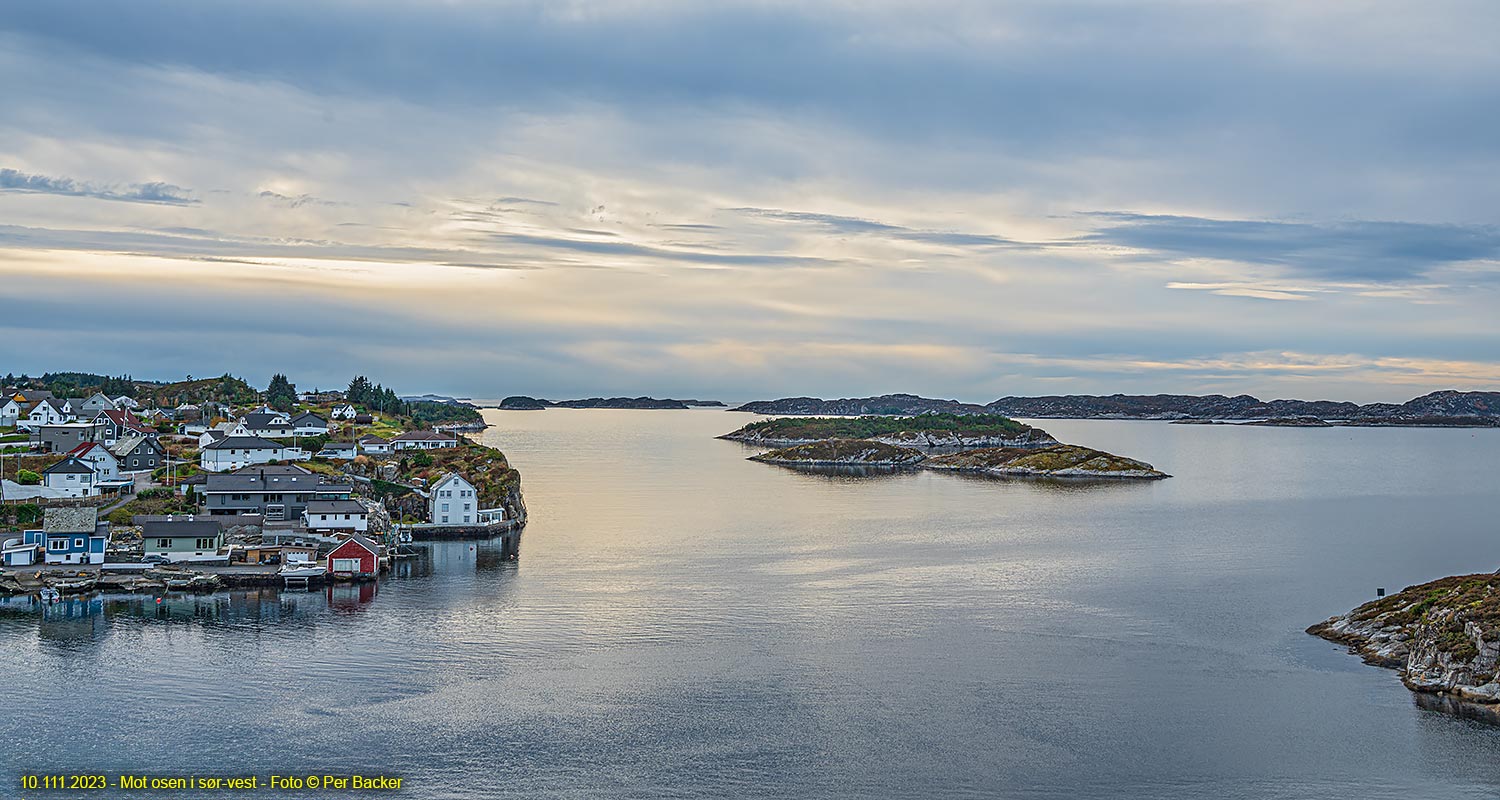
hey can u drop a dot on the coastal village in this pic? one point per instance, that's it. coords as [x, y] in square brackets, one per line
[229, 486]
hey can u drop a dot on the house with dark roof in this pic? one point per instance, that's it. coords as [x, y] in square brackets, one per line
[119, 423]
[64, 436]
[336, 516]
[138, 453]
[309, 424]
[340, 450]
[279, 492]
[72, 477]
[233, 452]
[48, 411]
[267, 425]
[374, 445]
[184, 539]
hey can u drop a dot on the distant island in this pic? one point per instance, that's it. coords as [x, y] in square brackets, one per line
[1437, 409]
[986, 444]
[524, 403]
[926, 430]
[1441, 637]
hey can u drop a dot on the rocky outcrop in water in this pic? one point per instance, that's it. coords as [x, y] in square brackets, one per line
[1441, 637]
[842, 453]
[1057, 461]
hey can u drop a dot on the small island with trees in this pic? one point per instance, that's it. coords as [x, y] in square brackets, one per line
[983, 444]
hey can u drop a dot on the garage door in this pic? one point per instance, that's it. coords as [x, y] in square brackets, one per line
[346, 565]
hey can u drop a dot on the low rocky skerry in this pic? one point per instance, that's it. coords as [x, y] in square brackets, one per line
[1441, 637]
[1057, 461]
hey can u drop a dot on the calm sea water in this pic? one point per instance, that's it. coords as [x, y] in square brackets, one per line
[684, 623]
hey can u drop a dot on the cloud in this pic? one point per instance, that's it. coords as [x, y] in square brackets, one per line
[12, 180]
[1353, 250]
[763, 197]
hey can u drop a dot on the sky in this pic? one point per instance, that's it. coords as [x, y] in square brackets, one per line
[750, 200]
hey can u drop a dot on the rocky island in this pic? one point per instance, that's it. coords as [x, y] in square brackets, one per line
[1057, 461]
[1441, 637]
[982, 444]
[926, 430]
[842, 453]
[524, 403]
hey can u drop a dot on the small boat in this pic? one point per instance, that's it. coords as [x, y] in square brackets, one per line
[300, 569]
[203, 581]
[75, 584]
[179, 581]
[49, 595]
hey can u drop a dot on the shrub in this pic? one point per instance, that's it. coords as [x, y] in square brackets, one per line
[28, 478]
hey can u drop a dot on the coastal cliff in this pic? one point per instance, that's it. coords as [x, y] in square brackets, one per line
[1441, 637]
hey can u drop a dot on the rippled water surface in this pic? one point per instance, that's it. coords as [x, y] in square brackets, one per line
[684, 623]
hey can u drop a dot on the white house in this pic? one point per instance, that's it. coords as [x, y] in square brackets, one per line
[47, 412]
[343, 411]
[71, 476]
[267, 425]
[454, 501]
[106, 467]
[11, 411]
[88, 407]
[309, 424]
[336, 516]
[370, 443]
[423, 440]
[234, 452]
[343, 450]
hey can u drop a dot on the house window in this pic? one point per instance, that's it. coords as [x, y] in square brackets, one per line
[466, 506]
[78, 543]
[164, 544]
[205, 544]
[445, 506]
[57, 544]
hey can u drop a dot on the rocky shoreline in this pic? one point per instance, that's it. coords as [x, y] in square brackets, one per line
[1441, 637]
[1061, 461]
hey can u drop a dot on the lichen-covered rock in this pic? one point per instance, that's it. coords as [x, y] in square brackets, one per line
[1056, 461]
[1442, 637]
[842, 453]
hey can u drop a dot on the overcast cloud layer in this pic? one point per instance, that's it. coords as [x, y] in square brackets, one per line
[760, 199]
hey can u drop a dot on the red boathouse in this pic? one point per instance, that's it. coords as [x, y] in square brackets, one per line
[356, 556]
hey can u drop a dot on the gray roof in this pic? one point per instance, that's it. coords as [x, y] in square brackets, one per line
[273, 469]
[336, 507]
[242, 481]
[69, 464]
[260, 419]
[307, 418]
[361, 541]
[245, 443]
[70, 519]
[128, 444]
[181, 529]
